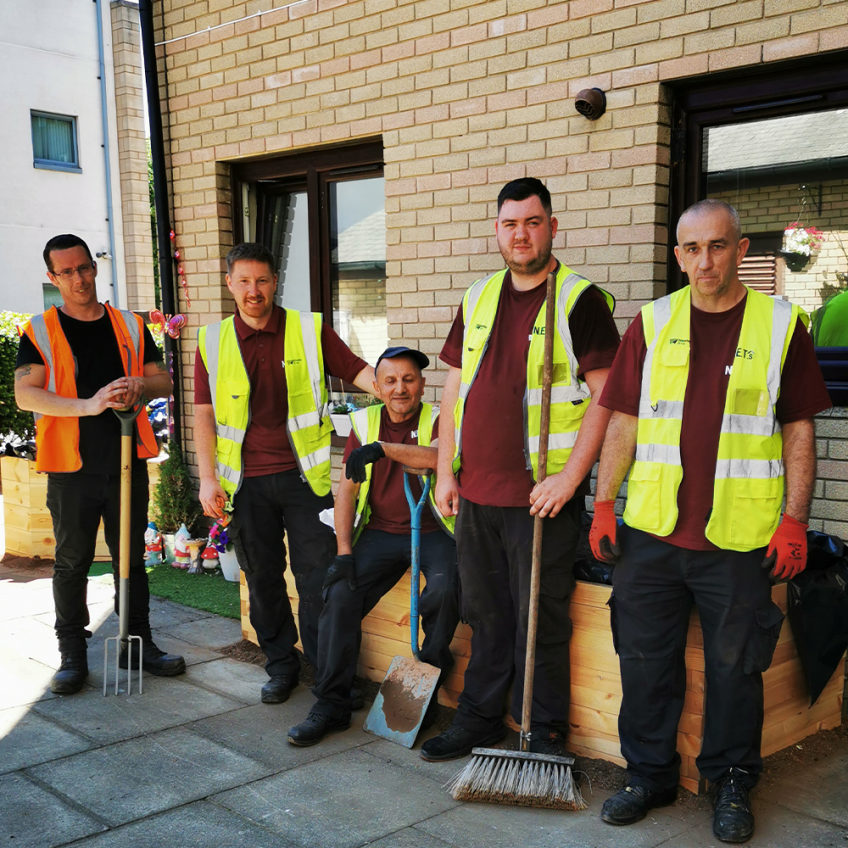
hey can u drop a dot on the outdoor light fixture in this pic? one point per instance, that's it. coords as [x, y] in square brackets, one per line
[591, 103]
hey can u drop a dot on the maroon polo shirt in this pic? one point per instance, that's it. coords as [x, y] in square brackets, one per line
[712, 349]
[494, 469]
[267, 449]
[386, 497]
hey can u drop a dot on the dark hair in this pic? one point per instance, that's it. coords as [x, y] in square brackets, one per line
[63, 242]
[523, 188]
[251, 250]
[712, 204]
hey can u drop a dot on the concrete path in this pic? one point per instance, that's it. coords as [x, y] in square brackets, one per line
[198, 761]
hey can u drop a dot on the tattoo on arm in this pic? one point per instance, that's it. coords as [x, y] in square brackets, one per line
[23, 371]
[161, 368]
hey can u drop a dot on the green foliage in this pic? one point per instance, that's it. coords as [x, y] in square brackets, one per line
[176, 500]
[12, 420]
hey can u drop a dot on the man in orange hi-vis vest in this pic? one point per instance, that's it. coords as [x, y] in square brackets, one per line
[75, 364]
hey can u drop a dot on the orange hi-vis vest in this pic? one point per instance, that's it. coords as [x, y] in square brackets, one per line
[57, 438]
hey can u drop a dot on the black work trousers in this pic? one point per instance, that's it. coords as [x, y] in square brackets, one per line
[264, 508]
[381, 559]
[77, 502]
[654, 587]
[494, 549]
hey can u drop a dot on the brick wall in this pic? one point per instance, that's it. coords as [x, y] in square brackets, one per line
[132, 156]
[829, 511]
[772, 208]
[465, 95]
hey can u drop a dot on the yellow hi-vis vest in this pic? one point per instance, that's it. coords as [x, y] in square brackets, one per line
[308, 424]
[749, 478]
[570, 397]
[366, 425]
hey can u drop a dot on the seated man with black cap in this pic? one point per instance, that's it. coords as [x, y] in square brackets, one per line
[372, 520]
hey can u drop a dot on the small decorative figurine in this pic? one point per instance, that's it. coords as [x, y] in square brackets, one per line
[152, 545]
[210, 558]
[182, 554]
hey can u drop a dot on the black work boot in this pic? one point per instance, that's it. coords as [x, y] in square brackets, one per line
[458, 741]
[153, 660]
[71, 674]
[551, 743]
[314, 728]
[632, 803]
[278, 688]
[733, 820]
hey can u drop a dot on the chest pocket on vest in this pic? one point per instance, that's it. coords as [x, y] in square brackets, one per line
[235, 392]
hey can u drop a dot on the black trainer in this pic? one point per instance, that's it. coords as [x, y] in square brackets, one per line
[357, 699]
[551, 743]
[458, 741]
[733, 820]
[314, 728]
[71, 675]
[278, 689]
[153, 660]
[632, 803]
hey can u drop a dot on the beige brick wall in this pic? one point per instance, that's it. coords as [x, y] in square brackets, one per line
[132, 156]
[773, 208]
[465, 96]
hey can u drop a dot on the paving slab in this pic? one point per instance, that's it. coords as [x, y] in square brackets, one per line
[157, 772]
[32, 817]
[821, 792]
[775, 825]
[410, 837]
[166, 702]
[25, 681]
[21, 597]
[31, 639]
[27, 739]
[410, 758]
[165, 613]
[238, 680]
[342, 801]
[259, 732]
[213, 633]
[497, 826]
[199, 825]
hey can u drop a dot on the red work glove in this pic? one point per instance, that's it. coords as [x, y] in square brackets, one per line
[787, 552]
[604, 533]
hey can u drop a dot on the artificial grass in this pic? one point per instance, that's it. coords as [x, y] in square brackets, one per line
[207, 592]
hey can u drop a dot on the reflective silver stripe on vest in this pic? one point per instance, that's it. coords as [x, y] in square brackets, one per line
[310, 346]
[131, 320]
[359, 422]
[565, 334]
[662, 315]
[213, 341]
[308, 419]
[39, 330]
[665, 409]
[316, 458]
[556, 441]
[227, 473]
[780, 327]
[559, 394]
[224, 431]
[473, 297]
[749, 425]
[666, 454]
[753, 469]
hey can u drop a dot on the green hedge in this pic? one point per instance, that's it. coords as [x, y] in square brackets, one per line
[12, 420]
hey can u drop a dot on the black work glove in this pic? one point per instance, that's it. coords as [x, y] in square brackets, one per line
[342, 568]
[359, 458]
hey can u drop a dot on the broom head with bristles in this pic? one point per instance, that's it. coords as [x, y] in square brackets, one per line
[515, 777]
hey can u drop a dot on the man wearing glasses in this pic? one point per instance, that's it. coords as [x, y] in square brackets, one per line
[75, 364]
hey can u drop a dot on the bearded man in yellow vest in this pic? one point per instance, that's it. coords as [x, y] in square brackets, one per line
[714, 390]
[488, 468]
[262, 431]
[373, 528]
[76, 363]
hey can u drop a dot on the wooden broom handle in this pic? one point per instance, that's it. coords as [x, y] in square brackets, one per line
[536, 571]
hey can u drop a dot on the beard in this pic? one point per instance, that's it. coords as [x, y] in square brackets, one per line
[531, 266]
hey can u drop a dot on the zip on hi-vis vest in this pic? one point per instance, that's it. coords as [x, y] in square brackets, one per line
[570, 396]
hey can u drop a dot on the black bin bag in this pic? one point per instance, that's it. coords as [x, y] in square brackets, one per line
[818, 610]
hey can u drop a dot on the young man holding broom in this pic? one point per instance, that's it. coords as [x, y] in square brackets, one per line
[488, 465]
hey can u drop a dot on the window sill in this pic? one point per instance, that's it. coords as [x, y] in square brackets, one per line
[46, 165]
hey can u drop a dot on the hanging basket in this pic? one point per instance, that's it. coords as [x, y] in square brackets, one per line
[794, 261]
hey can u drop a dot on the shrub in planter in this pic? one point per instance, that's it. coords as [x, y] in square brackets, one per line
[12, 420]
[176, 499]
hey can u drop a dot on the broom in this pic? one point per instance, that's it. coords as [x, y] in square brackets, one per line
[519, 777]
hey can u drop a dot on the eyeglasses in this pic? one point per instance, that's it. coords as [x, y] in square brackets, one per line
[69, 273]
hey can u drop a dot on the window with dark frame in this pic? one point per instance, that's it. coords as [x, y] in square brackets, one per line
[322, 215]
[54, 142]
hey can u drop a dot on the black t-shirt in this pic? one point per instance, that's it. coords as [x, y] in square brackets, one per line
[98, 363]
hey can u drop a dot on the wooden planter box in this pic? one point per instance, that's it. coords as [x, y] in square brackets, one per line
[596, 681]
[28, 526]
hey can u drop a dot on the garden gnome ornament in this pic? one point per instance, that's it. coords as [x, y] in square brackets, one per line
[182, 554]
[152, 545]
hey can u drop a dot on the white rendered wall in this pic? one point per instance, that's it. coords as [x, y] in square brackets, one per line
[49, 62]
